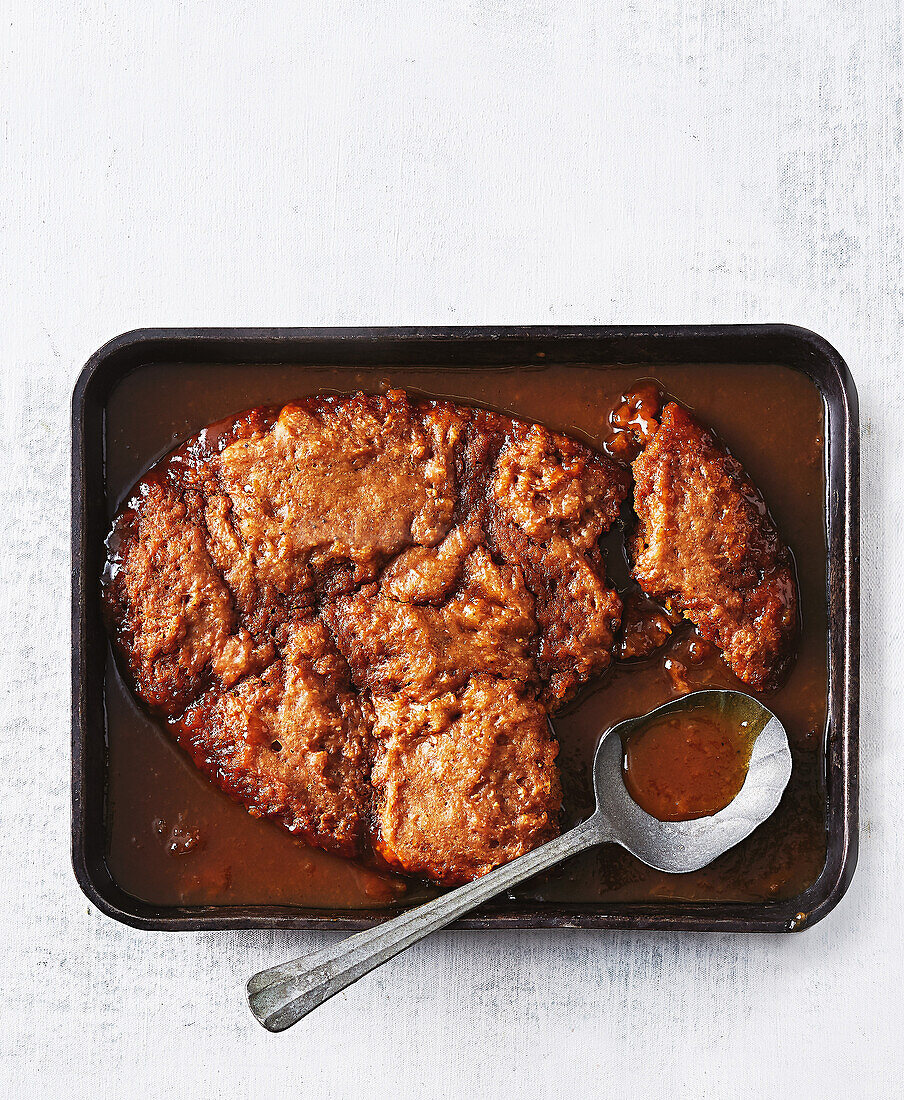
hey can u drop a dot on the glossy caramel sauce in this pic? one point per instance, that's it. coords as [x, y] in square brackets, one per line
[678, 767]
[173, 838]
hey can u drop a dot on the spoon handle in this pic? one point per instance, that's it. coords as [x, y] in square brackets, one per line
[280, 996]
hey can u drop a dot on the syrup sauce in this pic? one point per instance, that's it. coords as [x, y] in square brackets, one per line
[682, 766]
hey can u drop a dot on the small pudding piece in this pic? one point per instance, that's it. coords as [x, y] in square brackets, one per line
[633, 421]
[706, 547]
[645, 627]
[682, 766]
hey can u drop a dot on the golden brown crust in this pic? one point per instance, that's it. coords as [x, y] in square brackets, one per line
[706, 546]
[552, 500]
[282, 581]
[309, 497]
[486, 625]
[464, 781]
[464, 772]
[292, 744]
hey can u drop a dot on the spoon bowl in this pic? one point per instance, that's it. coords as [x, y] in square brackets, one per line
[682, 846]
[282, 995]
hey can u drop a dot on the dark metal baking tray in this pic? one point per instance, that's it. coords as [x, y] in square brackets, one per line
[502, 346]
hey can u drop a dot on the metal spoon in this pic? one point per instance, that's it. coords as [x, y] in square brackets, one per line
[282, 995]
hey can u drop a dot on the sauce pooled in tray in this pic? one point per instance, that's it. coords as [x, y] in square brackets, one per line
[173, 838]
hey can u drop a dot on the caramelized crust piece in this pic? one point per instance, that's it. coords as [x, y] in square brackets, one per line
[465, 781]
[706, 546]
[280, 580]
[487, 625]
[552, 501]
[551, 486]
[291, 744]
[174, 611]
[310, 496]
[464, 772]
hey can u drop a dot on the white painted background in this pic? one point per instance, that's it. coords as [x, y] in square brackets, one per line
[439, 161]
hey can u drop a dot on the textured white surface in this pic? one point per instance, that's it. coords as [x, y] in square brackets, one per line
[390, 162]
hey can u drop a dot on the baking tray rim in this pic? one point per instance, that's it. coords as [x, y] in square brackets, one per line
[842, 501]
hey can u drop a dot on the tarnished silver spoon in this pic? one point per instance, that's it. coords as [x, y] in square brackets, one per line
[282, 995]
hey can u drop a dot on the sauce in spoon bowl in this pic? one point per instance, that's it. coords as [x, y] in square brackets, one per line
[690, 764]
